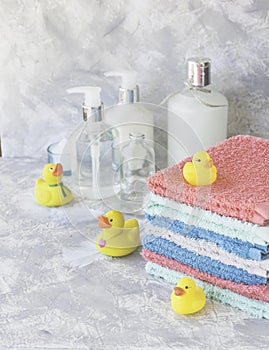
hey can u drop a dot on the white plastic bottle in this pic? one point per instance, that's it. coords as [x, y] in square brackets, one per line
[92, 148]
[129, 115]
[197, 115]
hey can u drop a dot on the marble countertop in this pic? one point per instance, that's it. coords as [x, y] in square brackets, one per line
[46, 303]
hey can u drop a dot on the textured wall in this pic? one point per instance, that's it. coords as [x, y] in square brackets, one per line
[47, 46]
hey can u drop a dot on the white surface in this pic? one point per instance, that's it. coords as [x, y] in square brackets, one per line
[48, 46]
[110, 304]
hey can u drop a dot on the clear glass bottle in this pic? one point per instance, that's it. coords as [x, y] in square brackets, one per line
[137, 164]
[94, 165]
[92, 154]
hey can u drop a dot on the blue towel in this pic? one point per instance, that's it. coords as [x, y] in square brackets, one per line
[203, 263]
[233, 245]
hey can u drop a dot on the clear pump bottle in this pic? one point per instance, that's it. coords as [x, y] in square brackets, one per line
[92, 148]
[204, 109]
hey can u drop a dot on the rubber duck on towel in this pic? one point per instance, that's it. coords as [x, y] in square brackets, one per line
[200, 171]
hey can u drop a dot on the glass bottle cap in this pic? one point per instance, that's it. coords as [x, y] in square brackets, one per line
[136, 135]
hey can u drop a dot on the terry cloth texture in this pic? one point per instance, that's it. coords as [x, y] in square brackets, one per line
[255, 291]
[234, 228]
[171, 250]
[242, 186]
[255, 308]
[232, 245]
[211, 250]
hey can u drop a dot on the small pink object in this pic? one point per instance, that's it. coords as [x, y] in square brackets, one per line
[102, 243]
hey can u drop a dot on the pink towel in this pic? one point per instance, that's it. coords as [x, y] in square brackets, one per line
[260, 292]
[242, 186]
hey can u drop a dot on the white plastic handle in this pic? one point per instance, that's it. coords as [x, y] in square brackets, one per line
[92, 94]
[128, 78]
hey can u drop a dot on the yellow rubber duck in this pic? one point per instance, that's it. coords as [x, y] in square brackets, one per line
[200, 171]
[51, 192]
[187, 298]
[118, 237]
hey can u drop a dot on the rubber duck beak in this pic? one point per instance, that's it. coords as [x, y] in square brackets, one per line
[103, 222]
[58, 170]
[209, 164]
[179, 291]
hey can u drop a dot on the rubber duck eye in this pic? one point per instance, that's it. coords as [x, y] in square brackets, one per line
[50, 169]
[198, 160]
[111, 220]
[186, 287]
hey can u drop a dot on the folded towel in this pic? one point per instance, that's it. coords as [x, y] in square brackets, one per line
[203, 263]
[245, 231]
[211, 250]
[242, 187]
[233, 245]
[254, 291]
[255, 308]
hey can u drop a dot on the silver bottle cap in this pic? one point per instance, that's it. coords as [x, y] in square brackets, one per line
[199, 71]
[93, 114]
[129, 95]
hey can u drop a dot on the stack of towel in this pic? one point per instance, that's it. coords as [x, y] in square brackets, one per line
[215, 234]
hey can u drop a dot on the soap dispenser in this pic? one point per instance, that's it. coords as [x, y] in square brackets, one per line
[197, 115]
[129, 115]
[92, 148]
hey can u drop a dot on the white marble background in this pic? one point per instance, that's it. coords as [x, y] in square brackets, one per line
[47, 46]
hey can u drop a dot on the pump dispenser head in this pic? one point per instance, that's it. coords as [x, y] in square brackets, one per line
[93, 108]
[128, 90]
[199, 71]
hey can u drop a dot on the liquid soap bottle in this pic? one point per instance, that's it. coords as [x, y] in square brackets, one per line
[197, 115]
[129, 115]
[92, 148]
